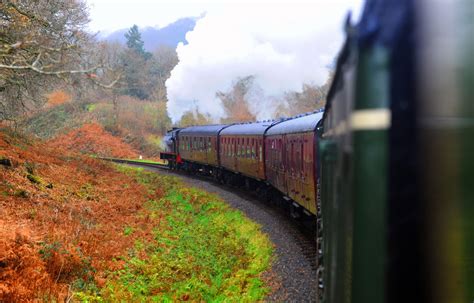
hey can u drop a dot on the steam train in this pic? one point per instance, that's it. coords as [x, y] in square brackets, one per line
[266, 156]
[386, 170]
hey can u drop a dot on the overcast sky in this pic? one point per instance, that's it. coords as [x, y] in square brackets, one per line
[109, 15]
[282, 43]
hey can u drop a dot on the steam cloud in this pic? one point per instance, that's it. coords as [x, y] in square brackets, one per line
[282, 45]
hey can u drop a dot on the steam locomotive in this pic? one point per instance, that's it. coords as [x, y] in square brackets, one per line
[386, 170]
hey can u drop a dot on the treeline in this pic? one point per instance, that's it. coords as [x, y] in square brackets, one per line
[246, 100]
[47, 57]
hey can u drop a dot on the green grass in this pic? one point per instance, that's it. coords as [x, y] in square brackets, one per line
[145, 161]
[203, 251]
[91, 107]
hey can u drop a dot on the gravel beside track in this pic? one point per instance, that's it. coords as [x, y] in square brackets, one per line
[293, 275]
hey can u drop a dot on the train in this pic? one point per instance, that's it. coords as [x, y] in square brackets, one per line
[273, 157]
[386, 170]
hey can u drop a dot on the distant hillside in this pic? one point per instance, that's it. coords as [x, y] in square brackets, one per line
[169, 35]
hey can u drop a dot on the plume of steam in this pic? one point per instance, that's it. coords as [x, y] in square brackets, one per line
[281, 45]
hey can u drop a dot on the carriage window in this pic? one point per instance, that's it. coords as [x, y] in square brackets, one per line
[302, 158]
[228, 147]
[238, 147]
[292, 155]
[209, 144]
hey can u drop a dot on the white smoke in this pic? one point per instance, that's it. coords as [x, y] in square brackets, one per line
[282, 45]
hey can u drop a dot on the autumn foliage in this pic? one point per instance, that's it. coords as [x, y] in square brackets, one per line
[62, 217]
[93, 139]
[58, 97]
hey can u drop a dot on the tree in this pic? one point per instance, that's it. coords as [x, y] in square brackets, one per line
[163, 61]
[135, 42]
[312, 97]
[194, 117]
[136, 65]
[41, 43]
[236, 101]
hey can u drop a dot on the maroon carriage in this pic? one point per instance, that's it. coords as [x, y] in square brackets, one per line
[242, 150]
[199, 144]
[290, 155]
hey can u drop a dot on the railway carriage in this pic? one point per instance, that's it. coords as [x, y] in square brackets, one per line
[198, 146]
[397, 157]
[242, 149]
[290, 156]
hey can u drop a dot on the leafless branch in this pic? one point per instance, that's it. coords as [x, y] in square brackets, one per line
[54, 73]
[107, 86]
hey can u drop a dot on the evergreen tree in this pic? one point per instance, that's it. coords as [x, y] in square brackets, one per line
[135, 42]
[136, 65]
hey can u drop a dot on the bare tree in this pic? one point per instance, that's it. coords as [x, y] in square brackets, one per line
[42, 42]
[235, 101]
[194, 117]
[312, 97]
[165, 59]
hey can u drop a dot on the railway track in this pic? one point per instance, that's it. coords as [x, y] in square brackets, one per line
[135, 162]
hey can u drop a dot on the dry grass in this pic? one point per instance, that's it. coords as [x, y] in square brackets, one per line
[61, 217]
[93, 139]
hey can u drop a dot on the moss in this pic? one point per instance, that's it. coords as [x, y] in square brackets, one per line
[21, 193]
[34, 179]
[91, 107]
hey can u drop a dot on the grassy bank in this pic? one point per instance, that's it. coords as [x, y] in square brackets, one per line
[201, 250]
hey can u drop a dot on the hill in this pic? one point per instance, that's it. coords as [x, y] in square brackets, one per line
[74, 227]
[169, 35]
[140, 124]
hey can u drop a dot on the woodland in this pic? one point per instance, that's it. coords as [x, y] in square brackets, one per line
[52, 66]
